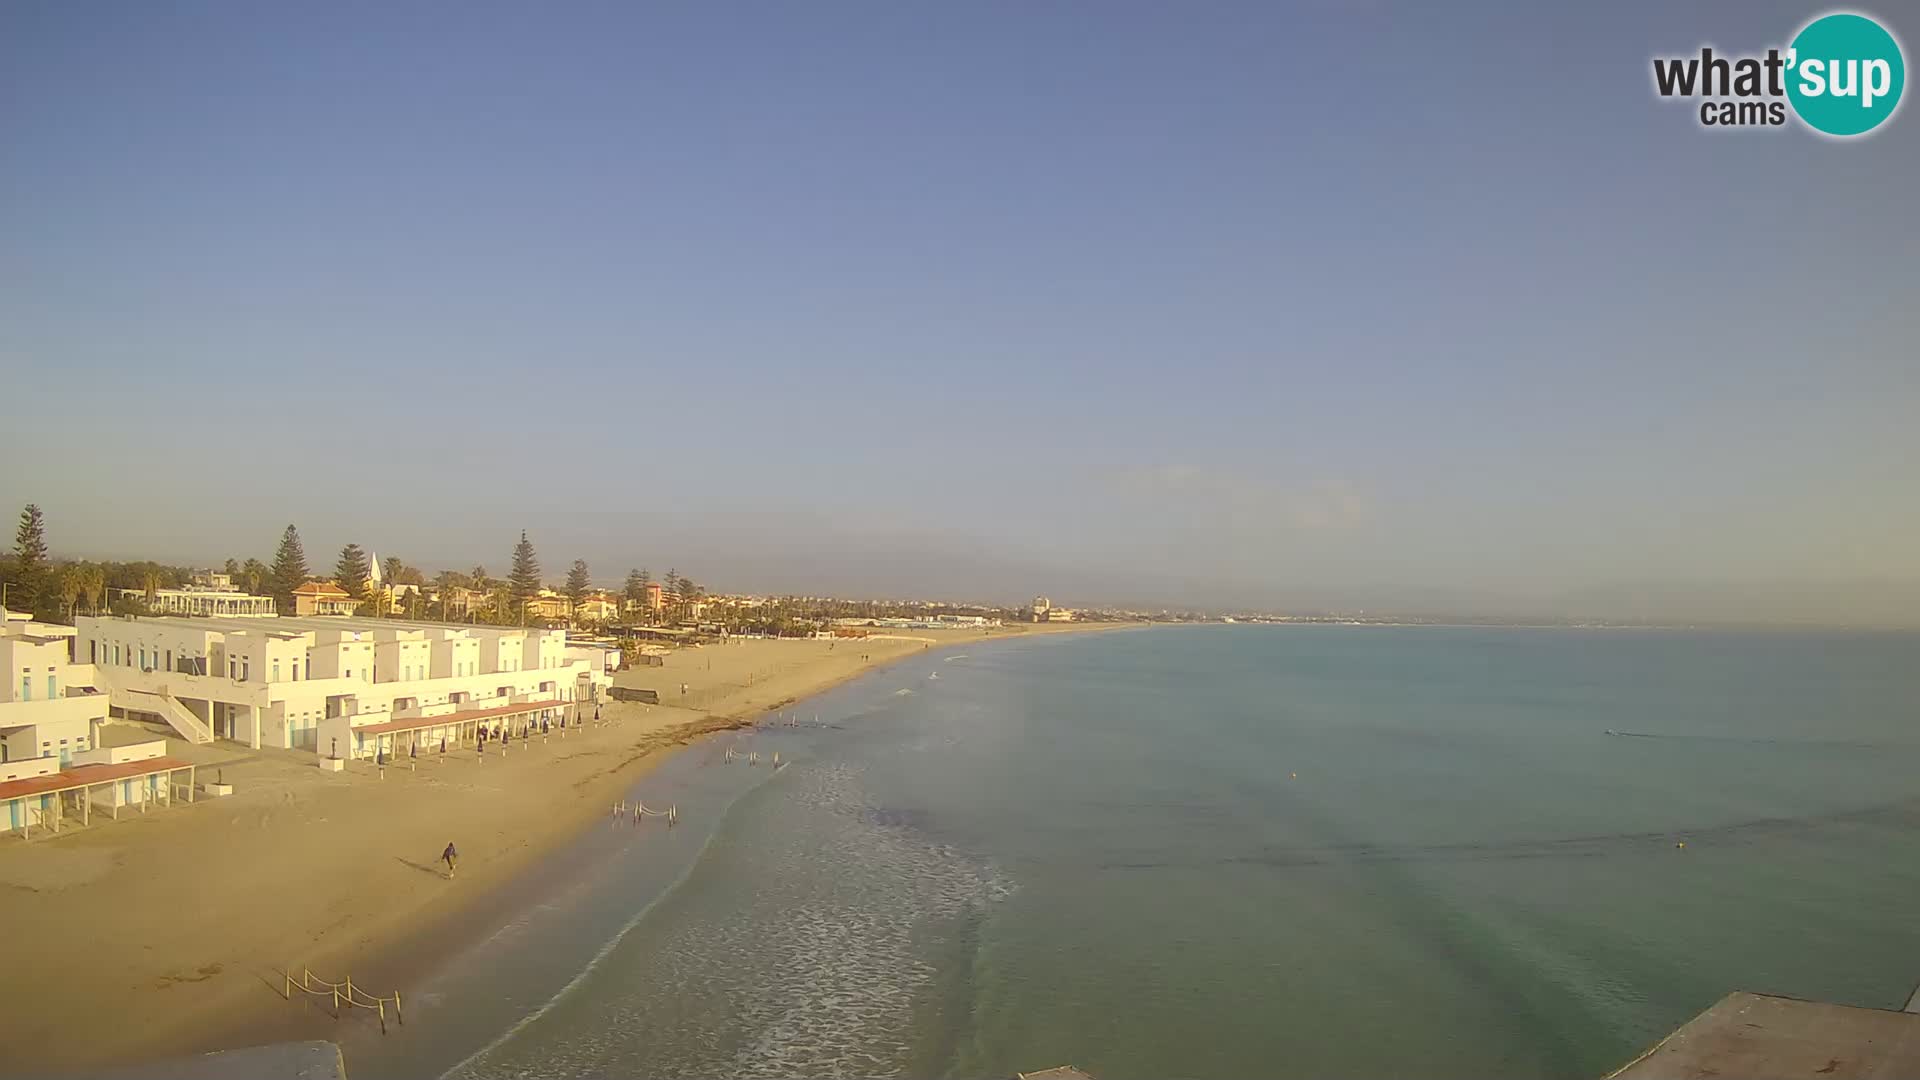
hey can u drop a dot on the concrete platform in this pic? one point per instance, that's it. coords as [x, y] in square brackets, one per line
[1756, 1037]
[280, 1061]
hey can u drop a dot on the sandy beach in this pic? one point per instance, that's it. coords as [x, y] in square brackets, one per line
[186, 917]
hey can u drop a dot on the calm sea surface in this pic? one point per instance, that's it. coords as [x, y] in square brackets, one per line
[1230, 851]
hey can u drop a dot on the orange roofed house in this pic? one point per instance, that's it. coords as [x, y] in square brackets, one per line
[322, 598]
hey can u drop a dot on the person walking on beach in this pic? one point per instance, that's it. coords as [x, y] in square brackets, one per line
[449, 856]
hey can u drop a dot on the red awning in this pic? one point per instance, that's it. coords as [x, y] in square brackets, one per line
[87, 776]
[418, 722]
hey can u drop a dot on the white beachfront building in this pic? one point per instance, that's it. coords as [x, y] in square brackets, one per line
[52, 765]
[333, 684]
[49, 706]
[204, 601]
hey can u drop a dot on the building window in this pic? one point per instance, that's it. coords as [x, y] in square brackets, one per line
[26, 688]
[276, 671]
[53, 687]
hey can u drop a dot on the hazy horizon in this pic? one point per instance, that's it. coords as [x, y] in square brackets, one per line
[1326, 306]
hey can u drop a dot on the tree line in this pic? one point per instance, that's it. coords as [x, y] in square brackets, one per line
[32, 581]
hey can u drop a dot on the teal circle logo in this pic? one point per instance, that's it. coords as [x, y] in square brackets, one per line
[1845, 74]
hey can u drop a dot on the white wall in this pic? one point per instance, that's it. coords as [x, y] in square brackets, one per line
[502, 650]
[117, 755]
[27, 662]
[26, 769]
[44, 728]
[456, 655]
[403, 659]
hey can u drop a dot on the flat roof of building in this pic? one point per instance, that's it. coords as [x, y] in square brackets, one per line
[417, 722]
[1759, 1037]
[308, 623]
[80, 776]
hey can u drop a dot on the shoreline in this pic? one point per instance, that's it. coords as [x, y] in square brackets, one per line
[363, 903]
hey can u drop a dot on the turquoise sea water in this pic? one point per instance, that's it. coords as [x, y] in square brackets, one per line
[1233, 851]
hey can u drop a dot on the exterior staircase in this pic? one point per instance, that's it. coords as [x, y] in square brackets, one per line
[166, 707]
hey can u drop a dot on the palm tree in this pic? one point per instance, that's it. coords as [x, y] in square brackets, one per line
[93, 582]
[377, 598]
[254, 574]
[73, 582]
[151, 581]
[444, 583]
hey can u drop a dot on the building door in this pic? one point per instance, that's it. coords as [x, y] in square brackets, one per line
[13, 812]
[66, 757]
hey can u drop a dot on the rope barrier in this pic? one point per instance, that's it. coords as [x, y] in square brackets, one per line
[752, 757]
[343, 992]
[641, 810]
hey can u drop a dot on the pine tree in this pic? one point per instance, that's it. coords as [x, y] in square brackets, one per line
[578, 582]
[232, 569]
[636, 590]
[352, 571]
[29, 559]
[289, 570]
[525, 575]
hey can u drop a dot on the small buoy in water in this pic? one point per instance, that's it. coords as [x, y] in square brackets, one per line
[1293, 776]
[1681, 844]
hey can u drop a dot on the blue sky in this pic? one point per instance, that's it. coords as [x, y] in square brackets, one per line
[1284, 303]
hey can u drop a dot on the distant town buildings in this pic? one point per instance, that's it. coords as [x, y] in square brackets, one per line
[549, 605]
[322, 598]
[931, 622]
[1044, 611]
[596, 607]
